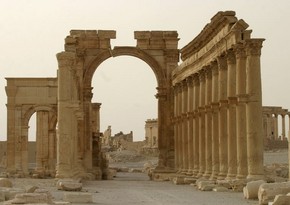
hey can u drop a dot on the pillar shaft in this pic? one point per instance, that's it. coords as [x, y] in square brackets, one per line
[190, 125]
[223, 138]
[215, 122]
[184, 128]
[196, 125]
[241, 112]
[231, 115]
[254, 110]
[208, 123]
[201, 129]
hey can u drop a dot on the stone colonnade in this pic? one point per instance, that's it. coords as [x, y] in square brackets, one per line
[218, 105]
[271, 122]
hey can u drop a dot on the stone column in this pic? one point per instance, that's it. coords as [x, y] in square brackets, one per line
[180, 166]
[276, 135]
[201, 109]
[165, 110]
[283, 127]
[208, 122]
[184, 128]
[215, 122]
[190, 96]
[42, 142]
[176, 154]
[24, 149]
[196, 89]
[18, 140]
[51, 150]
[65, 145]
[223, 137]
[10, 140]
[231, 115]
[241, 112]
[254, 110]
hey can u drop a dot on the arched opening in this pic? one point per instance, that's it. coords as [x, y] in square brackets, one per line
[126, 88]
[32, 142]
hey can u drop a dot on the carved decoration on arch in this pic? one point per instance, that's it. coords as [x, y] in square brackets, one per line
[125, 51]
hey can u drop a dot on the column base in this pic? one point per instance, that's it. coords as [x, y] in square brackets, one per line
[221, 176]
[252, 177]
[207, 175]
[231, 176]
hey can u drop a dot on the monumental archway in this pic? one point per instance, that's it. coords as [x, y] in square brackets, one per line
[84, 52]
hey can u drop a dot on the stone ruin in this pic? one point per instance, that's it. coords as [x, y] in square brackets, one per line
[210, 122]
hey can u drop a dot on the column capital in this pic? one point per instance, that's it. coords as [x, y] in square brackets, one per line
[231, 57]
[65, 59]
[196, 79]
[240, 51]
[253, 47]
[189, 81]
[222, 63]
[201, 75]
[214, 67]
[161, 93]
[208, 72]
[87, 92]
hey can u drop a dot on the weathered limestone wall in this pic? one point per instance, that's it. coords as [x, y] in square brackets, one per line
[218, 102]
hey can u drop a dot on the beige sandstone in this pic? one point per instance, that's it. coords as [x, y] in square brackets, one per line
[250, 191]
[268, 191]
[78, 197]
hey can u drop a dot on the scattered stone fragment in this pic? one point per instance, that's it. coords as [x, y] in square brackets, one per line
[224, 183]
[220, 189]
[189, 180]
[78, 197]
[69, 185]
[250, 191]
[4, 182]
[268, 191]
[205, 185]
[27, 198]
[30, 189]
[178, 180]
[281, 200]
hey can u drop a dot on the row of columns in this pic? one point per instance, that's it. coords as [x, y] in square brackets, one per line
[218, 117]
[272, 124]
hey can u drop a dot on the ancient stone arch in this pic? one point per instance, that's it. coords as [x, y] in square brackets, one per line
[84, 52]
[27, 96]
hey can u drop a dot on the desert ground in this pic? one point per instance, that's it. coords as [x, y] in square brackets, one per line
[136, 188]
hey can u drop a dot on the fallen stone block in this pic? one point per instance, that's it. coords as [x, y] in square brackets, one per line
[205, 185]
[224, 183]
[134, 170]
[69, 185]
[250, 191]
[30, 189]
[178, 180]
[220, 189]
[12, 192]
[78, 197]
[189, 180]
[268, 191]
[4, 182]
[238, 185]
[281, 200]
[33, 198]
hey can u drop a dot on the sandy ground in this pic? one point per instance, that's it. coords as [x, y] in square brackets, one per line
[136, 188]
